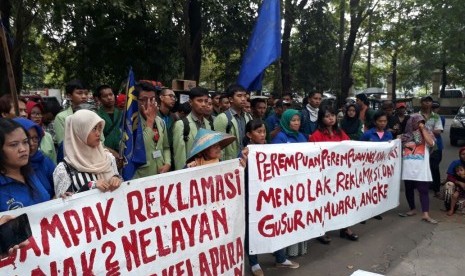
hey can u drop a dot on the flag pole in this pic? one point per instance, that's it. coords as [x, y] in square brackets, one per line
[121, 142]
[9, 68]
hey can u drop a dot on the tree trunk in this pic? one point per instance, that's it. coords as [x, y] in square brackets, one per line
[5, 12]
[193, 38]
[290, 9]
[342, 23]
[355, 21]
[369, 54]
[444, 78]
[394, 76]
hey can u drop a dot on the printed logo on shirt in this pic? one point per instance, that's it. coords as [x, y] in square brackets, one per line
[13, 205]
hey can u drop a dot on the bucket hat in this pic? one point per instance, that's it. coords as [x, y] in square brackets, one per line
[206, 138]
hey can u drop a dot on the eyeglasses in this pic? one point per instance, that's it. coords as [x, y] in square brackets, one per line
[36, 114]
[34, 139]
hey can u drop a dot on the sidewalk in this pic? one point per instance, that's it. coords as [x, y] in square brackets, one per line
[440, 254]
[393, 246]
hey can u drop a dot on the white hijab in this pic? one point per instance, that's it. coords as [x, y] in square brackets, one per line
[77, 153]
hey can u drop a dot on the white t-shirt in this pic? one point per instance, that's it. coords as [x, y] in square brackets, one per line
[415, 162]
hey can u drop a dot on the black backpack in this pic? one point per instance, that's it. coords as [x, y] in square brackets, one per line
[187, 128]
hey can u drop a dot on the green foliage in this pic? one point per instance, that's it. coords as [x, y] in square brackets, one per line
[229, 25]
[314, 62]
[97, 41]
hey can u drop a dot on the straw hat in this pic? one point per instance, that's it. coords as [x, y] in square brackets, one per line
[206, 138]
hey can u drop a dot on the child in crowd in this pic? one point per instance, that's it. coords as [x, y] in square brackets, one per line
[256, 134]
[458, 189]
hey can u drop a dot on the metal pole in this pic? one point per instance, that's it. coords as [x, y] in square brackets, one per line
[9, 68]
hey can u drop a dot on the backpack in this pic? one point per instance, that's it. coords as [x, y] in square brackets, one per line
[187, 128]
[229, 117]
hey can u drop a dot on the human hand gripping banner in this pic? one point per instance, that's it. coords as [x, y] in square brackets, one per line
[189, 222]
[300, 191]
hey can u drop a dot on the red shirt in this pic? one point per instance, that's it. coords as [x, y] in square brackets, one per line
[323, 136]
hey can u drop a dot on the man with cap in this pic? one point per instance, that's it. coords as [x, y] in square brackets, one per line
[366, 113]
[433, 122]
[270, 103]
[402, 115]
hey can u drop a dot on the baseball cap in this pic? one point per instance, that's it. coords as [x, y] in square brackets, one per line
[281, 103]
[401, 105]
[426, 98]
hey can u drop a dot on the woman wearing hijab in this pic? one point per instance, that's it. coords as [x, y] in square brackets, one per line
[42, 165]
[290, 124]
[35, 113]
[351, 123]
[416, 174]
[86, 165]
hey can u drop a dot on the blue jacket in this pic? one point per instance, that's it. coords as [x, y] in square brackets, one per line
[43, 167]
[371, 136]
[282, 138]
[307, 127]
[15, 194]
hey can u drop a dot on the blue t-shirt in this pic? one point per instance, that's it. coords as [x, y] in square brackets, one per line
[15, 194]
[372, 136]
[282, 138]
[272, 122]
[453, 165]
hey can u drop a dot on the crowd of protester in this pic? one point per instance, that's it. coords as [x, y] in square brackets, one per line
[47, 153]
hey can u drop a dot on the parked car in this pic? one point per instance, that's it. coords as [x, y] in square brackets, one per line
[457, 127]
[452, 93]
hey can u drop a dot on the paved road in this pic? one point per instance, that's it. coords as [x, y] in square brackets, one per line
[392, 246]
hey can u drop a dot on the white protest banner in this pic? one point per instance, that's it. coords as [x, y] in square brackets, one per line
[300, 191]
[188, 222]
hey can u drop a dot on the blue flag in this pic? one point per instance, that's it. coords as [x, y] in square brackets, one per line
[133, 136]
[264, 46]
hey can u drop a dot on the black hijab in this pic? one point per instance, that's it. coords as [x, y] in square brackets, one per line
[351, 125]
